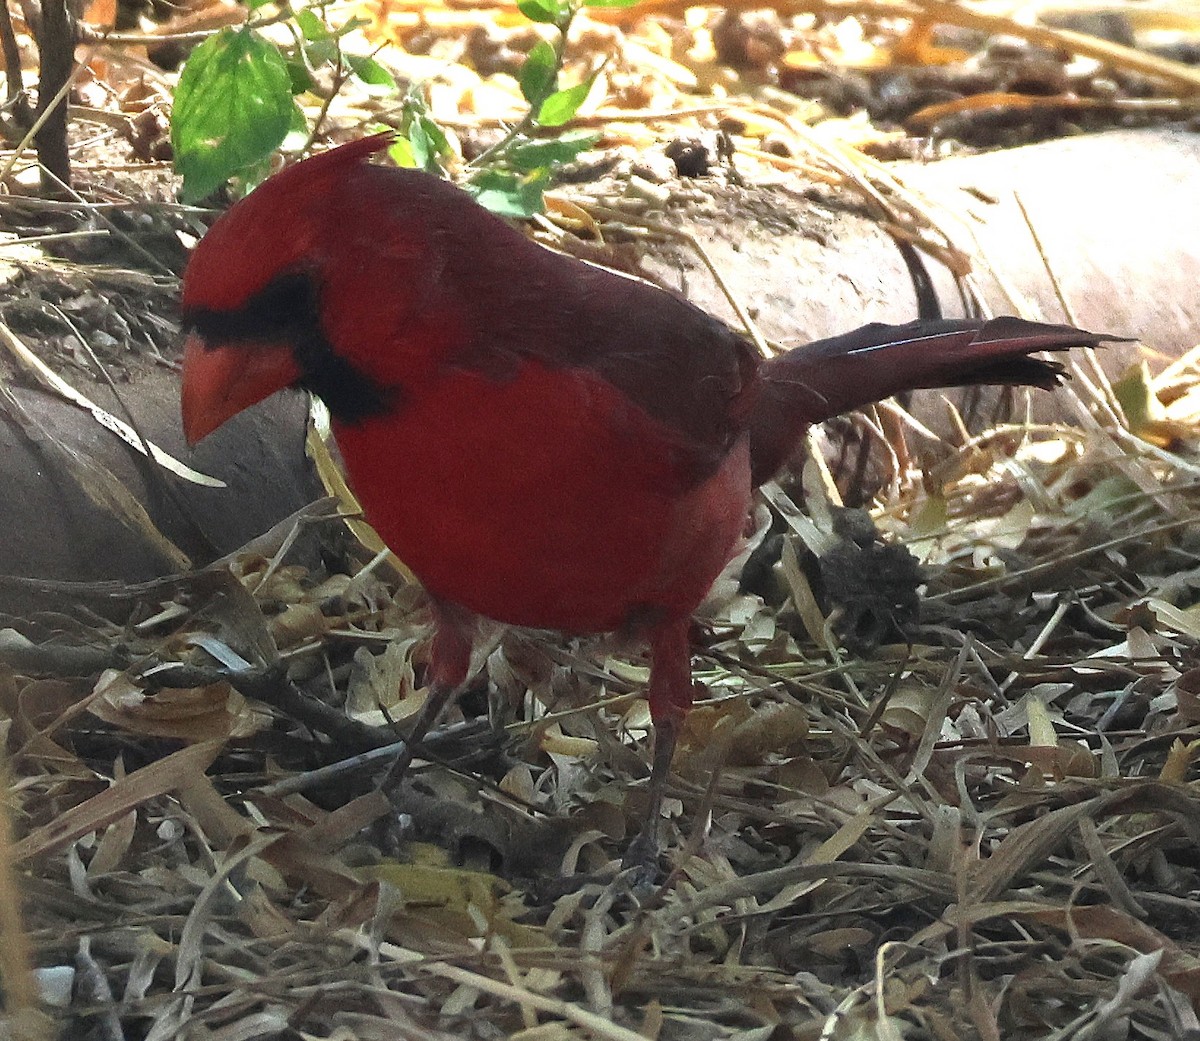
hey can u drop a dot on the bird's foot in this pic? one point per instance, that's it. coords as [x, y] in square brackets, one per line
[640, 865]
[644, 850]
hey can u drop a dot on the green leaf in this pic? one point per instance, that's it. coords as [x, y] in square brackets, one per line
[300, 76]
[402, 154]
[251, 177]
[311, 27]
[254, 5]
[561, 106]
[548, 11]
[414, 102]
[534, 155]
[354, 23]
[509, 195]
[423, 150]
[436, 136]
[426, 143]
[322, 52]
[297, 129]
[538, 74]
[370, 71]
[233, 107]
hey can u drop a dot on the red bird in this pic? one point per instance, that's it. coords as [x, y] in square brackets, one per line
[544, 442]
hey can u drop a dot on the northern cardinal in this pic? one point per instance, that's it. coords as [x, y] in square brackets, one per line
[544, 442]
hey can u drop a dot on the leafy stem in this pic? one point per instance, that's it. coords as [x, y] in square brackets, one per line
[537, 86]
[235, 105]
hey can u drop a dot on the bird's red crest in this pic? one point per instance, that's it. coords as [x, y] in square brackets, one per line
[346, 155]
[280, 218]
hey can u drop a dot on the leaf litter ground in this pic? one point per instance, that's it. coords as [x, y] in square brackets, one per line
[989, 830]
[985, 830]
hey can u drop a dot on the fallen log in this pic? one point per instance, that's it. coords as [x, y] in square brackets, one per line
[1109, 212]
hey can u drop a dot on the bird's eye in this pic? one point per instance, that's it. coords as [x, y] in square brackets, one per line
[285, 309]
[288, 301]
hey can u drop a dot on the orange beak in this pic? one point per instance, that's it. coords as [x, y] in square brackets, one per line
[219, 382]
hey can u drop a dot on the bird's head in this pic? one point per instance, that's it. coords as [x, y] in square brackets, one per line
[253, 295]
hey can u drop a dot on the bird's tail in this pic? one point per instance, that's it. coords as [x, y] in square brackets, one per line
[828, 377]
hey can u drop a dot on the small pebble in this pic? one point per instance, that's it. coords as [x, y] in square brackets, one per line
[55, 984]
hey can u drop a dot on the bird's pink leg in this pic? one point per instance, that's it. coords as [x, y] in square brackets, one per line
[670, 697]
[449, 666]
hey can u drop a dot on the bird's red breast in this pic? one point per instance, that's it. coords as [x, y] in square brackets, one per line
[545, 499]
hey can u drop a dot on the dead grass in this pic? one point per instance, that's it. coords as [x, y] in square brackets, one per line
[989, 832]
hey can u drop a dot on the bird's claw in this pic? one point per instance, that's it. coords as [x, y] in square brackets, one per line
[639, 865]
